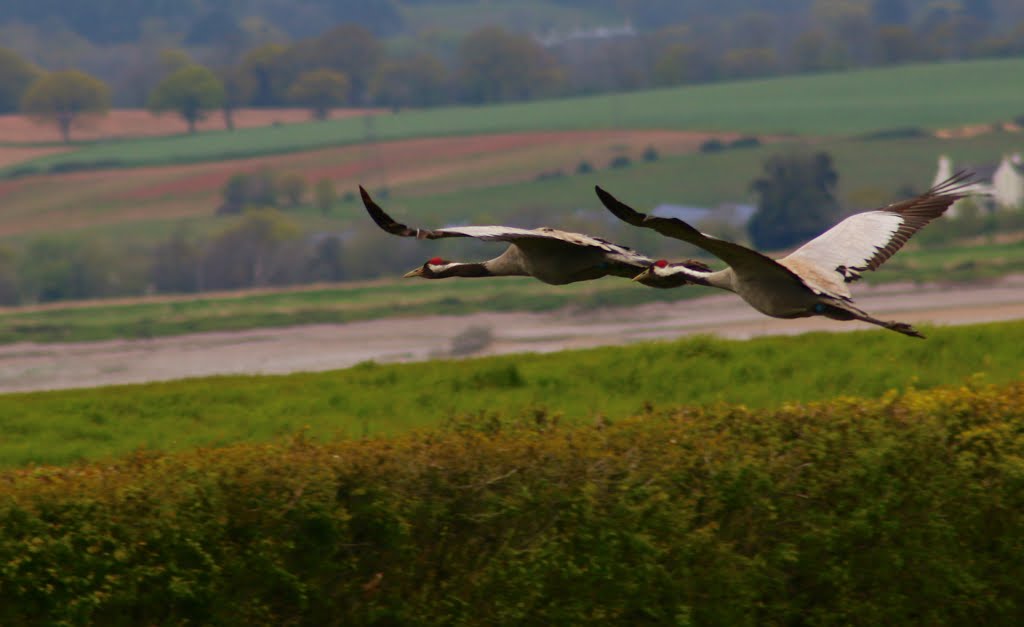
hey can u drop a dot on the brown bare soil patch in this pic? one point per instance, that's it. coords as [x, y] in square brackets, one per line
[11, 155]
[122, 123]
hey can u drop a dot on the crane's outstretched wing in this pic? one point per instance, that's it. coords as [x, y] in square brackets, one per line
[866, 240]
[737, 256]
[509, 234]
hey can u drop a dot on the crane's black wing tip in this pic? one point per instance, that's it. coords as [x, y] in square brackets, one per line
[381, 218]
[620, 209]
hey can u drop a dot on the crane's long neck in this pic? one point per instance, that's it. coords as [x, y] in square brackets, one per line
[675, 275]
[468, 270]
[509, 263]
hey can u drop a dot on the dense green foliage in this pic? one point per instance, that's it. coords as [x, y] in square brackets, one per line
[844, 103]
[908, 509]
[796, 200]
[63, 426]
[65, 98]
[16, 74]
[191, 92]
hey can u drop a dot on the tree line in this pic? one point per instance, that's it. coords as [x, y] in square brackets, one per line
[352, 65]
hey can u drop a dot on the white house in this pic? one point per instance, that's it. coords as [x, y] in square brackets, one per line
[998, 187]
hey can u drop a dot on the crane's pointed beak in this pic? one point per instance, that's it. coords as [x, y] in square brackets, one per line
[643, 275]
[413, 273]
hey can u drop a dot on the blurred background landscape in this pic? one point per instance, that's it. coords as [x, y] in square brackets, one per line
[203, 417]
[208, 146]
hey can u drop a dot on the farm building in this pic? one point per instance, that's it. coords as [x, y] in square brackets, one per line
[999, 186]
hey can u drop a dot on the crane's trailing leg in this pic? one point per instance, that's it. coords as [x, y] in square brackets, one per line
[846, 311]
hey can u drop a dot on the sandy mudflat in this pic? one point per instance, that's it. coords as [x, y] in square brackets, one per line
[28, 366]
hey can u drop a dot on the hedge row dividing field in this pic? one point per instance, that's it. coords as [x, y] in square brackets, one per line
[907, 509]
[65, 426]
[843, 103]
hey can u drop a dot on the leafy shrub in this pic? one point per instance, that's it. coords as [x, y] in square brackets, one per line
[650, 154]
[745, 142]
[549, 175]
[712, 145]
[902, 510]
[905, 132]
[584, 167]
[620, 161]
[472, 340]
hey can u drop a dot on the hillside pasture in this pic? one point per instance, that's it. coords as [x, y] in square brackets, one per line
[477, 179]
[842, 104]
[65, 426]
[74, 200]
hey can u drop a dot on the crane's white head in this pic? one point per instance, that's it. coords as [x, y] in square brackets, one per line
[663, 274]
[434, 268]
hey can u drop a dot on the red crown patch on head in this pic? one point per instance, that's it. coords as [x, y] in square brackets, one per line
[435, 261]
[661, 263]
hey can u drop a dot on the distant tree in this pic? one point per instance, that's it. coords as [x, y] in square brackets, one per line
[417, 81]
[896, 44]
[796, 199]
[325, 194]
[64, 98]
[319, 91]
[349, 49]
[267, 71]
[850, 27]
[249, 189]
[293, 187]
[755, 29]
[176, 265]
[214, 27]
[9, 289]
[327, 262]
[981, 10]
[238, 89]
[495, 65]
[191, 91]
[750, 62]
[810, 51]
[16, 74]
[678, 64]
[248, 253]
[890, 12]
[51, 269]
[173, 59]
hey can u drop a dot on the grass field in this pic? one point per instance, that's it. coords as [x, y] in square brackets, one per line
[828, 104]
[65, 426]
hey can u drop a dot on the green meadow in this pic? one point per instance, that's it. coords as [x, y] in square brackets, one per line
[843, 103]
[62, 427]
